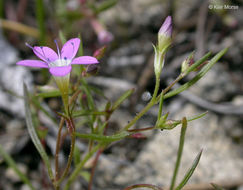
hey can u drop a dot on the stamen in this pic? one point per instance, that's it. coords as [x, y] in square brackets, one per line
[58, 50]
[28, 45]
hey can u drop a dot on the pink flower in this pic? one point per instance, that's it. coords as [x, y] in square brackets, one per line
[59, 63]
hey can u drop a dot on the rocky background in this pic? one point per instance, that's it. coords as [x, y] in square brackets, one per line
[128, 64]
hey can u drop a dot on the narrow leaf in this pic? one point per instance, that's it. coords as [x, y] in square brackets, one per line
[105, 5]
[103, 138]
[200, 74]
[77, 154]
[14, 166]
[198, 63]
[53, 93]
[216, 187]
[189, 172]
[33, 134]
[179, 153]
[123, 97]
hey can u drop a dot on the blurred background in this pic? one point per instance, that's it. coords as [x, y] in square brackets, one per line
[127, 28]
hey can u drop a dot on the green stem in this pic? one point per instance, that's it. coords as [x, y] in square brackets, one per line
[179, 153]
[160, 105]
[70, 157]
[147, 107]
[156, 88]
[139, 115]
[80, 166]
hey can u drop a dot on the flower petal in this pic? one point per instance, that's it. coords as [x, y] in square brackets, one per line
[60, 71]
[33, 63]
[45, 53]
[70, 48]
[85, 60]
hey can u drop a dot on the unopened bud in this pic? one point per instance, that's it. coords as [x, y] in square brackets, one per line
[99, 53]
[170, 124]
[164, 41]
[187, 63]
[164, 35]
[104, 36]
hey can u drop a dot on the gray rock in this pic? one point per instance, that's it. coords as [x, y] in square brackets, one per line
[184, 9]
[8, 55]
[11, 81]
[11, 174]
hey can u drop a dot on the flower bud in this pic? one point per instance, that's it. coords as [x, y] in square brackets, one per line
[99, 53]
[187, 63]
[170, 124]
[158, 62]
[104, 36]
[164, 35]
[164, 41]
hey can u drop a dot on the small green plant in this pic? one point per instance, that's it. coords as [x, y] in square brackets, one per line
[79, 105]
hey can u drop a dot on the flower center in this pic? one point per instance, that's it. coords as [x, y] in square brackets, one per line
[60, 63]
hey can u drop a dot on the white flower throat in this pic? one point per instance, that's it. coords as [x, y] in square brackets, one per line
[60, 63]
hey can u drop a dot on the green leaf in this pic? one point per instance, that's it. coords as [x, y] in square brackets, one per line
[14, 166]
[216, 187]
[50, 94]
[39, 106]
[189, 172]
[33, 134]
[192, 118]
[105, 5]
[200, 74]
[87, 91]
[103, 138]
[179, 153]
[85, 175]
[123, 97]
[198, 63]
[77, 154]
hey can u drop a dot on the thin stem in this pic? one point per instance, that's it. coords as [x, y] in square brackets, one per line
[179, 153]
[58, 146]
[80, 166]
[70, 157]
[94, 167]
[160, 105]
[98, 154]
[139, 115]
[147, 107]
[173, 83]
